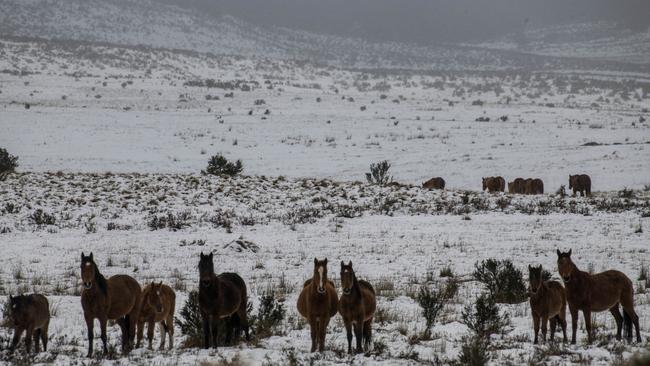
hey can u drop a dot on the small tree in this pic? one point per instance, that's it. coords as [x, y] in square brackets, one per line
[379, 173]
[190, 320]
[270, 315]
[8, 163]
[473, 352]
[483, 318]
[503, 280]
[432, 301]
[219, 165]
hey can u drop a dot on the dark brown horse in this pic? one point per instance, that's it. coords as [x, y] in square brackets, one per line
[357, 307]
[158, 305]
[580, 183]
[434, 183]
[533, 186]
[494, 184]
[30, 313]
[318, 302]
[598, 292]
[222, 296]
[117, 298]
[547, 302]
[516, 186]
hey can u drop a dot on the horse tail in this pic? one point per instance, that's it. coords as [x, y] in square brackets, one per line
[627, 324]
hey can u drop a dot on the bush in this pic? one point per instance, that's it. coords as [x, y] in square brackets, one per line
[483, 318]
[503, 280]
[219, 165]
[561, 192]
[269, 315]
[40, 218]
[190, 321]
[473, 352]
[172, 221]
[8, 163]
[379, 173]
[432, 301]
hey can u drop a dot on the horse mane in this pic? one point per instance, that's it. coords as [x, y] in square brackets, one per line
[355, 283]
[101, 280]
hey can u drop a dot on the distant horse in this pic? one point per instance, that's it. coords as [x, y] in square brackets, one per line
[30, 313]
[158, 304]
[580, 183]
[533, 186]
[318, 302]
[434, 183]
[547, 302]
[494, 184]
[598, 292]
[516, 186]
[221, 296]
[117, 298]
[357, 306]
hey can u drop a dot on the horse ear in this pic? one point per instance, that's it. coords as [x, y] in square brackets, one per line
[91, 255]
[201, 254]
[82, 256]
[315, 260]
[350, 264]
[211, 255]
[529, 267]
[569, 253]
[11, 298]
[160, 283]
[342, 264]
[558, 253]
[325, 261]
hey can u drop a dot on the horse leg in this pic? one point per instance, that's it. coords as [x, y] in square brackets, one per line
[313, 327]
[140, 333]
[28, 338]
[243, 321]
[89, 324]
[151, 325]
[230, 329]
[634, 318]
[37, 336]
[131, 322]
[206, 331]
[574, 323]
[587, 315]
[163, 334]
[544, 327]
[367, 334]
[125, 335]
[358, 334]
[215, 331]
[17, 333]
[348, 330]
[535, 326]
[553, 322]
[102, 325]
[169, 325]
[44, 335]
[619, 320]
[322, 330]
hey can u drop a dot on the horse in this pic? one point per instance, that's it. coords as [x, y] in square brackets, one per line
[516, 186]
[318, 302]
[580, 183]
[30, 313]
[533, 186]
[158, 304]
[434, 183]
[494, 184]
[596, 293]
[357, 306]
[117, 298]
[221, 296]
[547, 302]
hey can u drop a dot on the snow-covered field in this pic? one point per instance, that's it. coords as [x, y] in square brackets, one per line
[114, 138]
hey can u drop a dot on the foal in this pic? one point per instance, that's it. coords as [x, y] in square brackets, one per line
[318, 302]
[357, 307]
[117, 298]
[222, 296]
[598, 292]
[158, 304]
[547, 301]
[30, 313]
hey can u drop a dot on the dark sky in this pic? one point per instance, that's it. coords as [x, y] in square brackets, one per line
[426, 21]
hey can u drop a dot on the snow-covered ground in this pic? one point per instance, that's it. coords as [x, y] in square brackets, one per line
[114, 138]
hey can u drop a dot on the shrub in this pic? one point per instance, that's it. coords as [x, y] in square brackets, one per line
[8, 163]
[190, 321]
[483, 318]
[171, 221]
[561, 192]
[432, 301]
[379, 173]
[219, 165]
[626, 193]
[473, 352]
[40, 218]
[503, 280]
[270, 315]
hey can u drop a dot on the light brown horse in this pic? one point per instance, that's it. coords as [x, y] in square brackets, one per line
[30, 313]
[598, 292]
[117, 298]
[318, 302]
[357, 306]
[158, 304]
[547, 302]
[222, 296]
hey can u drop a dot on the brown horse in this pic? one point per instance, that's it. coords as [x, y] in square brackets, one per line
[357, 307]
[494, 184]
[222, 296]
[30, 313]
[434, 183]
[318, 302]
[117, 298]
[580, 183]
[547, 302]
[533, 186]
[516, 186]
[158, 304]
[598, 292]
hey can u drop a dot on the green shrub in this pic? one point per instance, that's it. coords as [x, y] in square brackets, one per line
[8, 163]
[483, 318]
[379, 173]
[502, 279]
[219, 165]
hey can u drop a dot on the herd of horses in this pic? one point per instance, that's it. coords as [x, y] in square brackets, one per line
[580, 183]
[224, 296]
